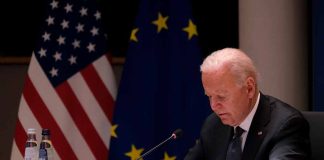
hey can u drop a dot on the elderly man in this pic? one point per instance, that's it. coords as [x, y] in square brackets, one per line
[246, 124]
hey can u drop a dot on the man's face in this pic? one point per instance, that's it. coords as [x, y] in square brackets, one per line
[231, 102]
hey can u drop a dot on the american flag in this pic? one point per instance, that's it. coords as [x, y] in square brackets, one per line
[69, 87]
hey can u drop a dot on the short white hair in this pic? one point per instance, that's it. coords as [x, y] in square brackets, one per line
[236, 60]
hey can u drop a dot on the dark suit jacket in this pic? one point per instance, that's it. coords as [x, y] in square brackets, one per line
[277, 132]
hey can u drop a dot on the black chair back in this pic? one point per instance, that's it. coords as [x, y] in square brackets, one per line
[316, 123]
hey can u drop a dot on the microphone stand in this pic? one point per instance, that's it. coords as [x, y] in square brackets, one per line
[175, 135]
[152, 149]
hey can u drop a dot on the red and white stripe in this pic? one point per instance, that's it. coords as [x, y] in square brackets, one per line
[78, 111]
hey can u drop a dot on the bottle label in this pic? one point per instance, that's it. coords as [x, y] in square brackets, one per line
[47, 150]
[47, 142]
[43, 154]
[31, 144]
[31, 153]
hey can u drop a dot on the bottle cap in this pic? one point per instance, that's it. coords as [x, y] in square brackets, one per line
[46, 131]
[31, 131]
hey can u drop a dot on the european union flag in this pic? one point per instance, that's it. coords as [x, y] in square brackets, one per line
[160, 89]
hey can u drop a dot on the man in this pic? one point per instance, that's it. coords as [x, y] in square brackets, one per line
[269, 128]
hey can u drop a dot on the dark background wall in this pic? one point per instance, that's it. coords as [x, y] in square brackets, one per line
[217, 24]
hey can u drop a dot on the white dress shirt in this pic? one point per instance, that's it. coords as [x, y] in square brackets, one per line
[247, 122]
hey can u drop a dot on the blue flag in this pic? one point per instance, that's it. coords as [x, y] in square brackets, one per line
[318, 56]
[160, 89]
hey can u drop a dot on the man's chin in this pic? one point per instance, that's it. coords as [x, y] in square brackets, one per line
[228, 122]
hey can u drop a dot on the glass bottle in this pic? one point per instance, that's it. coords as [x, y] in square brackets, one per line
[31, 152]
[45, 147]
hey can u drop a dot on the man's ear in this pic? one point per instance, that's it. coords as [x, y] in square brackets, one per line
[251, 86]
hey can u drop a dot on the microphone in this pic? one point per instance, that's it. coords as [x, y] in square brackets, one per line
[175, 135]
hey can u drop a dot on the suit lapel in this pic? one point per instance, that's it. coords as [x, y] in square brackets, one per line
[258, 129]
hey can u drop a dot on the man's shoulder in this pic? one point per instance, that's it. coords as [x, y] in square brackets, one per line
[282, 109]
[212, 122]
[212, 119]
[279, 104]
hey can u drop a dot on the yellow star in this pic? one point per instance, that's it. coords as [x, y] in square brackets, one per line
[113, 131]
[134, 153]
[191, 29]
[166, 157]
[161, 22]
[133, 35]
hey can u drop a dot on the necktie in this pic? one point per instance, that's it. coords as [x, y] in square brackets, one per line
[234, 150]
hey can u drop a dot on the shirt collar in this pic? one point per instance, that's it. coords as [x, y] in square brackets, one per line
[248, 120]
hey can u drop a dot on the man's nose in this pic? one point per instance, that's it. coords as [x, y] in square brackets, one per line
[214, 103]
